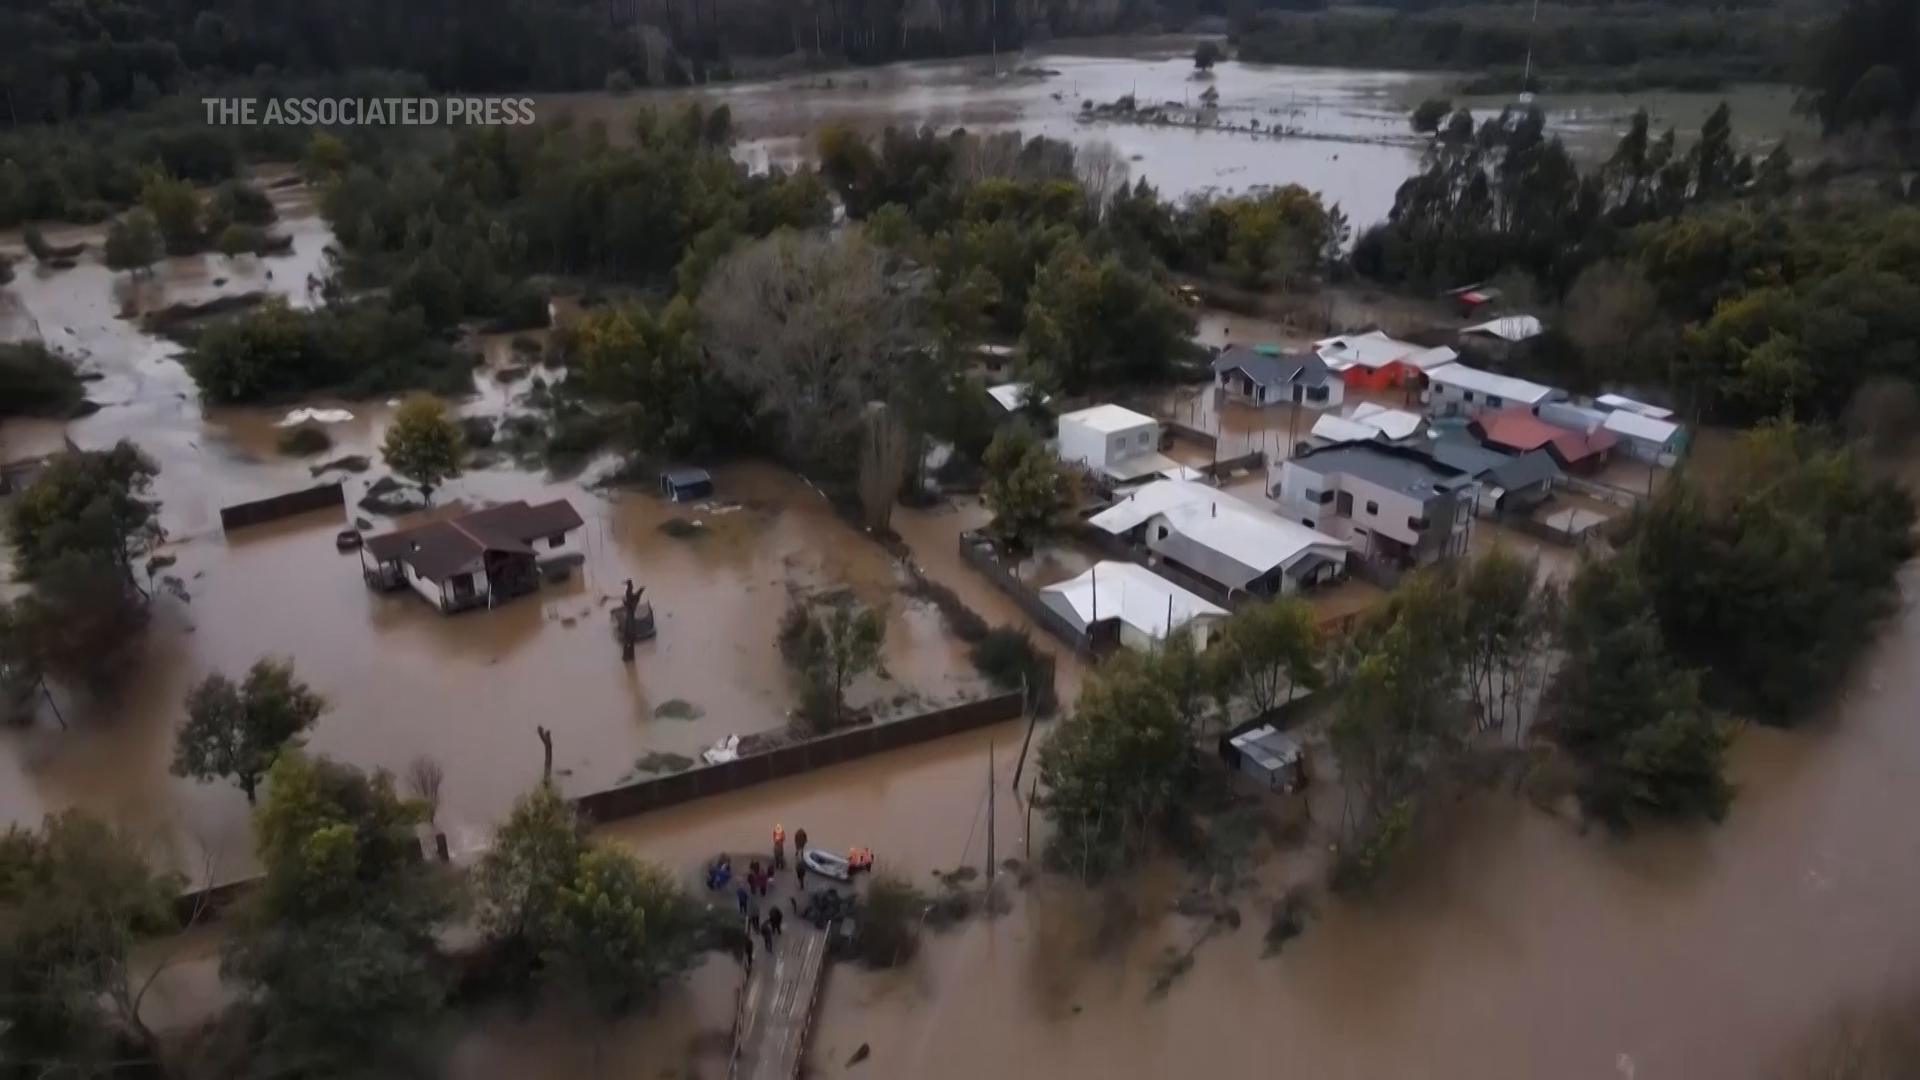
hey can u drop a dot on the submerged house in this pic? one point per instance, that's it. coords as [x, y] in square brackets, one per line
[1229, 544]
[1130, 603]
[1266, 376]
[476, 560]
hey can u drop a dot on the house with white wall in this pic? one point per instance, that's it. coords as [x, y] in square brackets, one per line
[1139, 607]
[1392, 504]
[476, 560]
[1264, 376]
[1112, 441]
[1234, 546]
[1459, 390]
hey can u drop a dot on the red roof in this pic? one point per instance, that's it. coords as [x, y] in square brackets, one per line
[1519, 431]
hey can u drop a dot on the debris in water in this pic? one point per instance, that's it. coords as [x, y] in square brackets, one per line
[678, 709]
[859, 1055]
[353, 463]
[655, 761]
[681, 528]
[315, 416]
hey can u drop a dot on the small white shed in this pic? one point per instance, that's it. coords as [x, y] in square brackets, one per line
[1113, 440]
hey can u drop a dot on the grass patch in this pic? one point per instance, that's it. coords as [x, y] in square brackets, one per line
[678, 709]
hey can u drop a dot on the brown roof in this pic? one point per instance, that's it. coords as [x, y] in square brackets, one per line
[438, 549]
[1520, 431]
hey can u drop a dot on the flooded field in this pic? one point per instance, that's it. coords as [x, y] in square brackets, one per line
[1349, 141]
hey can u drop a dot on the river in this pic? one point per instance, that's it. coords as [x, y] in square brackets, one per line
[1349, 137]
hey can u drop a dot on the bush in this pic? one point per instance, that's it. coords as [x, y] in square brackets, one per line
[36, 381]
[305, 440]
[1008, 657]
[889, 927]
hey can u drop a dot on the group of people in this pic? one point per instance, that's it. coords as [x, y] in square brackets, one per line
[757, 886]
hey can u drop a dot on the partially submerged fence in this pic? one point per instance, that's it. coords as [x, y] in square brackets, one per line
[977, 551]
[794, 759]
[260, 511]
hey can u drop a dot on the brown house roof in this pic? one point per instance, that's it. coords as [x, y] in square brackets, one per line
[439, 549]
[1518, 431]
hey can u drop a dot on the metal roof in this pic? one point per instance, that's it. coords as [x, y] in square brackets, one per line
[1108, 418]
[1509, 328]
[1272, 369]
[1395, 424]
[1487, 382]
[1617, 401]
[1133, 594]
[1342, 429]
[1637, 426]
[1370, 350]
[1224, 524]
[1012, 396]
[1395, 468]
[440, 549]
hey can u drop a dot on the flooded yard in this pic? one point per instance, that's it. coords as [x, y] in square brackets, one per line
[403, 680]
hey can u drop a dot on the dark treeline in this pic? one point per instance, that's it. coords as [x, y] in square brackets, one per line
[1613, 46]
[1704, 269]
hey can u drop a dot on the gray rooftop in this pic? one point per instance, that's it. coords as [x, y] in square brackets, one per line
[1274, 369]
[1395, 468]
[1509, 471]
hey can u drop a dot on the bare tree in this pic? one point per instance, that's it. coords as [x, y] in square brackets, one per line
[883, 464]
[424, 779]
[1102, 171]
[812, 325]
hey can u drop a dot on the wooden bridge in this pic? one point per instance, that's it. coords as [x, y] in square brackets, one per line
[776, 1011]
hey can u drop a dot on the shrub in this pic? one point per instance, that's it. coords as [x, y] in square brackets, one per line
[304, 440]
[889, 928]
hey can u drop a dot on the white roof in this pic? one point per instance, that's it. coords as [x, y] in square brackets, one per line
[1341, 429]
[1370, 350]
[1509, 328]
[1270, 747]
[1431, 358]
[1108, 418]
[1486, 382]
[1635, 426]
[1220, 522]
[1013, 395]
[1615, 401]
[1395, 424]
[1135, 595]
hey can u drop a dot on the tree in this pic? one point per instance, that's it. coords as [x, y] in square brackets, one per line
[1263, 649]
[1028, 491]
[1427, 115]
[534, 856]
[651, 368]
[1627, 713]
[809, 325]
[236, 240]
[238, 731]
[37, 381]
[176, 211]
[424, 444]
[593, 920]
[75, 898]
[89, 503]
[884, 450]
[1113, 769]
[133, 242]
[1509, 619]
[1206, 54]
[832, 644]
[337, 946]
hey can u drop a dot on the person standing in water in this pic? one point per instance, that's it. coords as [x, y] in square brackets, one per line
[779, 847]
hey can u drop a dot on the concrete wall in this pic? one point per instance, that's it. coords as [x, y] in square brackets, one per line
[633, 799]
[319, 497]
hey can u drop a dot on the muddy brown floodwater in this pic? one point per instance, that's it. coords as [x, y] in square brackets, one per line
[402, 680]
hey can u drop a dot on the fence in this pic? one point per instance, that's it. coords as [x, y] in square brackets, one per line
[977, 551]
[241, 515]
[1205, 438]
[1540, 530]
[1255, 460]
[1604, 492]
[792, 760]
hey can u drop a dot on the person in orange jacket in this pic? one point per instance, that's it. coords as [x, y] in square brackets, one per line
[779, 847]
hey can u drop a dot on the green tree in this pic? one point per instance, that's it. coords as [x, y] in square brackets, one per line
[1206, 54]
[133, 242]
[1509, 618]
[337, 948]
[92, 504]
[238, 731]
[832, 644]
[622, 928]
[650, 367]
[326, 157]
[1627, 713]
[75, 899]
[36, 381]
[534, 857]
[1266, 653]
[176, 211]
[424, 444]
[1028, 491]
[1113, 769]
[236, 240]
